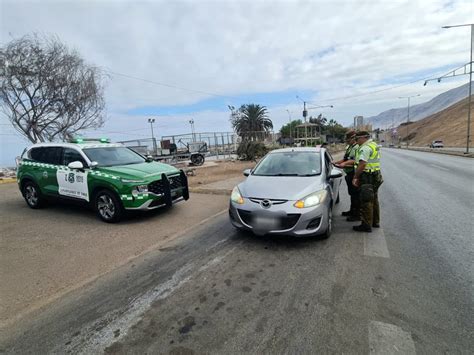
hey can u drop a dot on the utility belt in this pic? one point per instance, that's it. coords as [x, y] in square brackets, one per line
[370, 172]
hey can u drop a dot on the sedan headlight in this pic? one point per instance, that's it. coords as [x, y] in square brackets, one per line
[236, 196]
[312, 200]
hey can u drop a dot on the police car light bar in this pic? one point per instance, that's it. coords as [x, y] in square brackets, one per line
[82, 140]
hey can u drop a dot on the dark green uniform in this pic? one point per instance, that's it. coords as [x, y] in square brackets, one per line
[350, 154]
[370, 181]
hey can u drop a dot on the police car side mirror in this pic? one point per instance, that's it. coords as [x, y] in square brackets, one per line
[75, 165]
[94, 165]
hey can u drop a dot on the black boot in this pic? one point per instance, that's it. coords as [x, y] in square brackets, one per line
[363, 228]
[375, 225]
[353, 219]
[346, 213]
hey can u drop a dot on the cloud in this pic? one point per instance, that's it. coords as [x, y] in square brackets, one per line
[325, 49]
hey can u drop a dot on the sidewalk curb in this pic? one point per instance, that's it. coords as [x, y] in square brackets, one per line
[7, 180]
[199, 190]
[430, 150]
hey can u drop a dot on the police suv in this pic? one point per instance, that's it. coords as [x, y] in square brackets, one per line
[109, 177]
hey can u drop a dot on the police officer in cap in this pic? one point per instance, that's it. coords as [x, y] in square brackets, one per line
[347, 163]
[368, 178]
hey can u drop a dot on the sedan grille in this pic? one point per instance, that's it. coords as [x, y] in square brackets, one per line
[285, 222]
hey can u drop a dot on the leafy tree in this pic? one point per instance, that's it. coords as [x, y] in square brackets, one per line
[251, 150]
[47, 91]
[335, 129]
[290, 126]
[320, 120]
[250, 120]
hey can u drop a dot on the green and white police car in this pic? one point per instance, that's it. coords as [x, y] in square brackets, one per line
[109, 177]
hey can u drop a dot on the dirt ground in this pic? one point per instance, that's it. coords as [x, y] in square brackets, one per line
[217, 171]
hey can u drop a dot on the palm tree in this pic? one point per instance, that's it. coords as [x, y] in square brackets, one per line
[249, 120]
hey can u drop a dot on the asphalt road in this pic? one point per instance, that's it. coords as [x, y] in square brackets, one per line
[406, 288]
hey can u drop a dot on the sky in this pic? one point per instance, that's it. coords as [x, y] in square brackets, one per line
[181, 60]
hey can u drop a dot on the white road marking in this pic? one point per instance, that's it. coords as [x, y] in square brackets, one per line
[100, 333]
[389, 339]
[375, 244]
[439, 167]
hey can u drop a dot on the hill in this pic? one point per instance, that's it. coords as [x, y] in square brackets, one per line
[420, 111]
[448, 125]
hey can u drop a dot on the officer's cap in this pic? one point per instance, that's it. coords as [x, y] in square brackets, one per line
[350, 135]
[362, 134]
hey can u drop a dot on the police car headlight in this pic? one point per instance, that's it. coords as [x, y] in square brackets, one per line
[312, 200]
[142, 188]
[132, 181]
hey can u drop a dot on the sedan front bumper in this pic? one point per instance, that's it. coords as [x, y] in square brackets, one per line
[282, 218]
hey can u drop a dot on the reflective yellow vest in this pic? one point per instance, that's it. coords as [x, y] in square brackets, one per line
[374, 160]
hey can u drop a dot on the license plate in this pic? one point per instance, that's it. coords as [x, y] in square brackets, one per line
[267, 223]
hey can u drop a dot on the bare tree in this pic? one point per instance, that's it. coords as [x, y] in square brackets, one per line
[47, 90]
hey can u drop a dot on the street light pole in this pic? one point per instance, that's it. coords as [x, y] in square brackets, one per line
[470, 84]
[191, 122]
[151, 121]
[408, 113]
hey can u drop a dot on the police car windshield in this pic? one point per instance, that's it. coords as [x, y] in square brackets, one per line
[112, 156]
[290, 164]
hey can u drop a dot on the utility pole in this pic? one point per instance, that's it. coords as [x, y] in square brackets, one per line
[305, 114]
[468, 138]
[408, 113]
[289, 121]
[151, 121]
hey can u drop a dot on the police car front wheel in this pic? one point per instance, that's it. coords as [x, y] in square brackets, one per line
[108, 206]
[32, 195]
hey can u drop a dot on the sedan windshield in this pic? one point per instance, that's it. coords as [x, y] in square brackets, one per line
[290, 164]
[111, 156]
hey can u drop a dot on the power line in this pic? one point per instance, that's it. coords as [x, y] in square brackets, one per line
[168, 85]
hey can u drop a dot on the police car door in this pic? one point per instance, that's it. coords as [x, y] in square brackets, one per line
[73, 182]
[50, 158]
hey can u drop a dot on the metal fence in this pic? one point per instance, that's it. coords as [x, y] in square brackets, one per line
[219, 144]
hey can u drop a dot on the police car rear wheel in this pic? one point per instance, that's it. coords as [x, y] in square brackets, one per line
[108, 206]
[32, 195]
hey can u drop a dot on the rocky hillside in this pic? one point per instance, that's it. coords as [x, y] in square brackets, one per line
[420, 111]
[448, 125]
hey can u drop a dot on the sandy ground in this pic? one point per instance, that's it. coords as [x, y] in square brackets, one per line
[217, 171]
[46, 253]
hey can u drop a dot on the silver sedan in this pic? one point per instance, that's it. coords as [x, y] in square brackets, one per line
[291, 191]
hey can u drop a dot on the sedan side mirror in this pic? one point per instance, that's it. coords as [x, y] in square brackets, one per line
[247, 172]
[335, 173]
[94, 165]
[75, 165]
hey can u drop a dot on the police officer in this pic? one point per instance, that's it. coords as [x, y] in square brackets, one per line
[368, 177]
[347, 163]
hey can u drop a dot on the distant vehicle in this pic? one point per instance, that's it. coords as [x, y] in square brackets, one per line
[291, 191]
[437, 144]
[108, 177]
[391, 145]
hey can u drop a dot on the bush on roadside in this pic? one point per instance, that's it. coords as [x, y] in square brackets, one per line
[250, 150]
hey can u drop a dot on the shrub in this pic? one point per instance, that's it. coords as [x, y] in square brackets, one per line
[249, 150]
